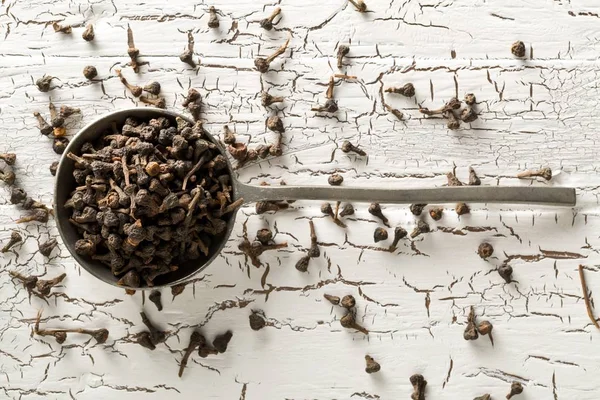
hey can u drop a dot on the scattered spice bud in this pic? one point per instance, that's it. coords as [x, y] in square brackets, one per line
[266, 206]
[66, 111]
[44, 286]
[485, 328]
[335, 179]
[267, 23]
[545, 173]
[470, 332]
[213, 20]
[397, 113]
[348, 147]
[53, 168]
[375, 210]
[262, 64]
[468, 115]
[158, 102]
[43, 84]
[44, 127]
[462, 209]
[222, 341]
[55, 119]
[453, 122]
[206, 350]
[8, 177]
[436, 213]
[267, 99]
[29, 282]
[343, 50]
[360, 5]
[257, 321]
[335, 300]
[9, 158]
[422, 227]
[348, 209]
[417, 209]
[152, 88]
[348, 301]
[372, 365]
[473, 178]
[505, 271]
[380, 234]
[47, 247]
[327, 210]
[419, 383]
[313, 251]
[485, 250]
[330, 106]
[193, 103]
[156, 298]
[176, 290]
[348, 322]
[143, 338]
[515, 389]
[136, 91]
[188, 54]
[196, 340]
[39, 215]
[275, 124]
[399, 233]
[302, 263]
[470, 99]
[518, 49]
[265, 236]
[228, 136]
[60, 335]
[15, 238]
[88, 34]
[62, 28]
[452, 104]
[156, 335]
[408, 90]
[132, 51]
[130, 279]
[484, 397]
[256, 248]
[90, 72]
[59, 144]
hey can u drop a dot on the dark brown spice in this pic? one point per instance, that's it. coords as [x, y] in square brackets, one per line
[156, 298]
[468, 115]
[335, 300]
[44, 127]
[267, 99]
[262, 64]
[380, 234]
[265, 236]
[485, 328]
[399, 233]
[419, 383]
[156, 102]
[257, 321]
[313, 251]
[518, 49]
[470, 332]
[196, 340]
[515, 389]
[43, 84]
[348, 322]
[90, 72]
[188, 55]
[88, 34]
[372, 365]
[505, 271]
[408, 90]
[348, 209]
[417, 209]
[222, 341]
[421, 227]
[176, 290]
[53, 168]
[62, 28]
[135, 90]
[473, 178]
[335, 179]
[375, 209]
[348, 302]
[485, 250]
[47, 247]
[436, 213]
[462, 209]
[213, 20]
[133, 51]
[152, 88]
[470, 99]
[8, 158]
[343, 50]
[67, 111]
[193, 103]
[327, 210]
[15, 238]
[267, 23]
[8, 177]
[348, 147]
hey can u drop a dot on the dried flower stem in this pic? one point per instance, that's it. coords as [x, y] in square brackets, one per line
[586, 298]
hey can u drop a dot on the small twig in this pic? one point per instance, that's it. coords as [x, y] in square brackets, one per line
[586, 298]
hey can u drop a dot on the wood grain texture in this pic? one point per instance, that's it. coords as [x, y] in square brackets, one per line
[542, 110]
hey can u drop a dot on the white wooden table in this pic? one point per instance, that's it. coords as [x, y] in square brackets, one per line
[542, 110]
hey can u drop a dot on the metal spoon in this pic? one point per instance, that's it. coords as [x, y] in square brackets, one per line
[469, 194]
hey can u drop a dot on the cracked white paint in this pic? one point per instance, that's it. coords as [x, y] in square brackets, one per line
[533, 112]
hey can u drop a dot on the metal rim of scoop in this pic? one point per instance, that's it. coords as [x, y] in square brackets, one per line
[65, 184]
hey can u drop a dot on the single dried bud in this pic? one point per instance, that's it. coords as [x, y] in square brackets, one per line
[545, 173]
[372, 365]
[275, 124]
[505, 271]
[348, 147]
[62, 28]
[265, 236]
[156, 297]
[518, 49]
[44, 127]
[419, 383]
[399, 233]
[188, 55]
[515, 389]
[348, 301]
[257, 321]
[159, 102]
[213, 20]
[47, 247]
[347, 321]
[335, 300]
[485, 250]
[436, 213]
[9, 158]
[380, 234]
[15, 238]
[422, 227]
[462, 209]
[473, 178]
[375, 209]
[267, 99]
[262, 64]
[470, 99]
[485, 328]
[335, 179]
[267, 23]
[60, 337]
[136, 91]
[66, 111]
[43, 84]
[453, 122]
[348, 209]
[88, 35]
[302, 263]
[341, 53]
[130, 279]
[470, 332]
[221, 341]
[468, 115]
[408, 90]
[152, 88]
[417, 209]
[228, 136]
[8, 177]
[53, 168]
[100, 335]
[360, 5]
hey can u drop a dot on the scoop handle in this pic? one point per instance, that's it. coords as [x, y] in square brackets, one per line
[550, 196]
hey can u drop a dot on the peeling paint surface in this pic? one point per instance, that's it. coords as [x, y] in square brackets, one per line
[533, 112]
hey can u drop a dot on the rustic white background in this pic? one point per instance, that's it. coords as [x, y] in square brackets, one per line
[542, 110]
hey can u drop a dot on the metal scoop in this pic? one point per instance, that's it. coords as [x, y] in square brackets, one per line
[65, 183]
